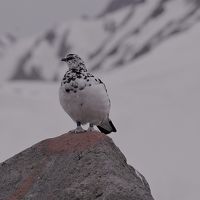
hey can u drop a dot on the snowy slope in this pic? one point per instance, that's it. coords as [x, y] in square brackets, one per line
[38, 57]
[6, 42]
[106, 43]
[155, 107]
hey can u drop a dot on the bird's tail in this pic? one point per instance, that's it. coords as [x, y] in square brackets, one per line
[107, 127]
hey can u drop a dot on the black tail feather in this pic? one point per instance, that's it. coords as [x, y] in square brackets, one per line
[107, 127]
[112, 125]
[103, 130]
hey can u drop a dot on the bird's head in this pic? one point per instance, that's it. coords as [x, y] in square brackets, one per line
[74, 61]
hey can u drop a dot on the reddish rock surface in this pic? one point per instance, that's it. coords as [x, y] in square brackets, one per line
[70, 142]
[84, 166]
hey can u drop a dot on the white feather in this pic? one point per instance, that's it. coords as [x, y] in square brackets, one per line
[90, 105]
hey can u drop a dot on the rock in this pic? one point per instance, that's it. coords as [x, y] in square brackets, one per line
[85, 166]
[115, 5]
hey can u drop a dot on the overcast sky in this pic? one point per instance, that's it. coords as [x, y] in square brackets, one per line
[26, 17]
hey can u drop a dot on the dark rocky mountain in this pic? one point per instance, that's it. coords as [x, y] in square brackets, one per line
[115, 5]
[125, 32]
[85, 166]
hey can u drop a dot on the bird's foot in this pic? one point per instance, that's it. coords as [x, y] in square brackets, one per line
[91, 128]
[78, 130]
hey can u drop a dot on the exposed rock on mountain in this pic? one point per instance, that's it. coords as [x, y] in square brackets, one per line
[115, 5]
[85, 166]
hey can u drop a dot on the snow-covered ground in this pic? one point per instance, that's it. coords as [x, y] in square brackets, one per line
[155, 107]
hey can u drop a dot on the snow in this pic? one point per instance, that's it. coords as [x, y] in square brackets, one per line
[140, 28]
[88, 35]
[118, 17]
[83, 37]
[104, 42]
[134, 19]
[155, 107]
[44, 55]
[171, 14]
[8, 62]
[139, 16]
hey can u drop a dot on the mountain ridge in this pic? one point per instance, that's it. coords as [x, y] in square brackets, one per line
[106, 43]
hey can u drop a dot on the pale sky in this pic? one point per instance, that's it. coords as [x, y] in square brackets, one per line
[26, 17]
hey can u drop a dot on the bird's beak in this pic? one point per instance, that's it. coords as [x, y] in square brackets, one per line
[64, 59]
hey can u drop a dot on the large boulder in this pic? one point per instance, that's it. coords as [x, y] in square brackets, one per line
[85, 166]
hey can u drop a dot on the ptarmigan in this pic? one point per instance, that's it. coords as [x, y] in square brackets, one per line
[84, 97]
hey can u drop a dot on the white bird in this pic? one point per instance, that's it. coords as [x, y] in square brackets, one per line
[84, 97]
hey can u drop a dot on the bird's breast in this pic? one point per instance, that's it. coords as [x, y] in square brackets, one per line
[88, 104]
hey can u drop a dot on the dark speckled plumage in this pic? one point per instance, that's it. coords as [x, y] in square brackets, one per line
[72, 77]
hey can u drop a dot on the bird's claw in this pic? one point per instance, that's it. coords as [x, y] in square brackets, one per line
[78, 130]
[90, 129]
